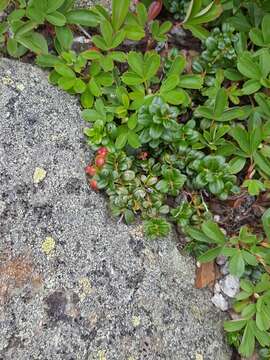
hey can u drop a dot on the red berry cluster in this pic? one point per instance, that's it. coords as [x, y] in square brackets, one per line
[143, 155]
[91, 169]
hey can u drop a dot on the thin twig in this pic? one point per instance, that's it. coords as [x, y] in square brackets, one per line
[85, 32]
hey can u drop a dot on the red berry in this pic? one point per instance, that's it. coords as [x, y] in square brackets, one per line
[90, 170]
[103, 151]
[93, 185]
[143, 155]
[100, 161]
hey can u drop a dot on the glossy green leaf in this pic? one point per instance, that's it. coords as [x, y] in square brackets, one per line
[262, 162]
[212, 230]
[248, 67]
[177, 66]
[64, 71]
[135, 61]
[131, 78]
[53, 5]
[12, 47]
[210, 255]
[151, 66]
[191, 81]
[56, 18]
[169, 84]
[65, 37]
[266, 28]
[198, 235]
[236, 164]
[3, 4]
[237, 265]
[133, 140]
[221, 102]
[248, 340]
[82, 17]
[234, 325]
[119, 12]
[34, 42]
[106, 32]
[121, 140]
[266, 223]
[176, 97]
[47, 60]
[241, 136]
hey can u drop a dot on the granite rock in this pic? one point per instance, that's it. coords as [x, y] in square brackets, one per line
[74, 283]
[90, 3]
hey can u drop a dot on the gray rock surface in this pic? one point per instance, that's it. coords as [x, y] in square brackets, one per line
[89, 3]
[74, 284]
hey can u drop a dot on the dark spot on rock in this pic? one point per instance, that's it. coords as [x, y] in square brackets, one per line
[22, 189]
[88, 204]
[137, 246]
[133, 281]
[74, 186]
[75, 298]
[31, 121]
[11, 105]
[89, 336]
[30, 130]
[56, 306]
[78, 245]
[65, 144]
[43, 212]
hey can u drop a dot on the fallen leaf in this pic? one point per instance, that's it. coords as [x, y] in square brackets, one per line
[205, 275]
[39, 175]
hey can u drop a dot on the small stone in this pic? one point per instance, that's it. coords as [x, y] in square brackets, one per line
[221, 260]
[48, 245]
[217, 218]
[217, 288]
[39, 175]
[224, 269]
[220, 302]
[230, 285]
[136, 320]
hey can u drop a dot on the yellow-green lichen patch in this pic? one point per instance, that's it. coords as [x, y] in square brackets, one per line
[39, 175]
[101, 355]
[136, 320]
[85, 288]
[48, 245]
[198, 357]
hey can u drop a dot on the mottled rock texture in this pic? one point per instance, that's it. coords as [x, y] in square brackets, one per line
[75, 284]
[89, 3]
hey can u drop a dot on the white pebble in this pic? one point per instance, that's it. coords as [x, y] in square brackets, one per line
[230, 285]
[220, 302]
[221, 260]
